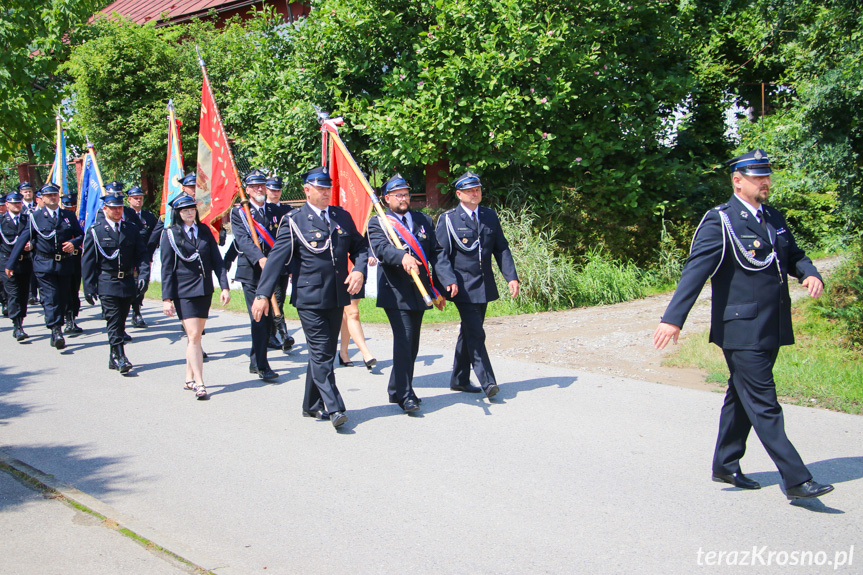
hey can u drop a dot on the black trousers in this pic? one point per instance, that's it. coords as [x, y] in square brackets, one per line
[4, 297]
[751, 402]
[33, 286]
[139, 298]
[406, 325]
[260, 331]
[18, 292]
[321, 327]
[280, 292]
[54, 297]
[470, 347]
[116, 309]
[73, 285]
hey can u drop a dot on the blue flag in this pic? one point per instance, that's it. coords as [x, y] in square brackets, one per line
[91, 191]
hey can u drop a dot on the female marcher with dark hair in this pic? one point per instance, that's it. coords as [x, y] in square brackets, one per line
[190, 256]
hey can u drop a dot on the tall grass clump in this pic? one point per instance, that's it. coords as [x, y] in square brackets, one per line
[603, 280]
[843, 299]
[546, 274]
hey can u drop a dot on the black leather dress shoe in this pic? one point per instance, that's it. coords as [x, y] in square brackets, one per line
[410, 405]
[469, 388]
[319, 415]
[345, 363]
[807, 490]
[268, 375]
[737, 480]
[492, 390]
[138, 321]
[338, 418]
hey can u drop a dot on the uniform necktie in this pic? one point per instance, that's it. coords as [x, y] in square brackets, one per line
[53, 218]
[326, 219]
[760, 215]
[473, 218]
[192, 235]
[405, 221]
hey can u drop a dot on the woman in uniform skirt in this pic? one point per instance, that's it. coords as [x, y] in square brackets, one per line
[190, 256]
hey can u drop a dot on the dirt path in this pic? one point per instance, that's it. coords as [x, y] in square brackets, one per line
[612, 339]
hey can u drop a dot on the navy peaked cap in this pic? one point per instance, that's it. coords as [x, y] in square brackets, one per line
[467, 180]
[14, 197]
[49, 189]
[397, 182]
[135, 191]
[318, 177]
[69, 200]
[113, 200]
[256, 178]
[274, 183]
[114, 187]
[190, 179]
[24, 186]
[183, 201]
[753, 163]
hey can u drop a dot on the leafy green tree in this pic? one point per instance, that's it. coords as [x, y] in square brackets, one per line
[36, 36]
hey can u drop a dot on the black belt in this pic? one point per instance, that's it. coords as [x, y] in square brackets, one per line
[55, 257]
[119, 274]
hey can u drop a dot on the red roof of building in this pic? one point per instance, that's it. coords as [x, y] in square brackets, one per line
[142, 11]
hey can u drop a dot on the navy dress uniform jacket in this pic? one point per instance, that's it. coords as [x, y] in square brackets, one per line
[146, 222]
[101, 275]
[396, 288]
[48, 256]
[188, 279]
[473, 268]
[750, 309]
[10, 232]
[319, 278]
[248, 254]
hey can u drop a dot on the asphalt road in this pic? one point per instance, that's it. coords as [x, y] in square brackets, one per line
[565, 471]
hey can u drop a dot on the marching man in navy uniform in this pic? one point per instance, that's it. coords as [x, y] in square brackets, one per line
[470, 235]
[398, 295]
[146, 222]
[113, 251]
[4, 300]
[279, 338]
[316, 240]
[29, 203]
[57, 235]
[747, 250]
[251, 260]
[17, 284]
[70, 202]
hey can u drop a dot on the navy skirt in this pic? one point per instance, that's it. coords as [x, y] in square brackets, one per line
[187, 307]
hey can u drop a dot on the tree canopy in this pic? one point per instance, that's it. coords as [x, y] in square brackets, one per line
[604, 115]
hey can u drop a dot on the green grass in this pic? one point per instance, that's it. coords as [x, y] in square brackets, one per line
[821, 366]
[369, 312]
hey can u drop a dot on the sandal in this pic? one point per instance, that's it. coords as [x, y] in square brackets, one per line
[201, 392]
[190, 385]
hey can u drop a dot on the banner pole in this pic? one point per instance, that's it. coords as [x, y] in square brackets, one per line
[244, 201]
[376, 203]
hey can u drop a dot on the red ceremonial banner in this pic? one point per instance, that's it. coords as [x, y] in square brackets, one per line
[351, 190]
[216, 185]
